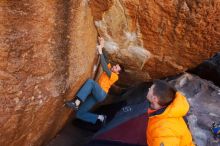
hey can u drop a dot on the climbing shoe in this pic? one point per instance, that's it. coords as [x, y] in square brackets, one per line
[102, 122]
[72, 105]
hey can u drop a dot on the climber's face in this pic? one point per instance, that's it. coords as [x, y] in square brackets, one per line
[116, 68]
[150, 95]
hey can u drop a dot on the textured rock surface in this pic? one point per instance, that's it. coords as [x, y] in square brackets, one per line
[204, 98]
[47, 50]
[158, 38]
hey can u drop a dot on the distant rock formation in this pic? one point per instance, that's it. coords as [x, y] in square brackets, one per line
[209, 69]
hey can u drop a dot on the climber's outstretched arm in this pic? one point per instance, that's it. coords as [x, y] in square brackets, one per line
[103, 61]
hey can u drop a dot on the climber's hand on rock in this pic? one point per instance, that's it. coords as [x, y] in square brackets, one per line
[101, 41]
[99, 48]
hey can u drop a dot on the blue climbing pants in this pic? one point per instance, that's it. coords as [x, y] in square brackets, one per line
[90, 94]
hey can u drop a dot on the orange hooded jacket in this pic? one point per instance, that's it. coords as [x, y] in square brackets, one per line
[169, 128]
[105, 82]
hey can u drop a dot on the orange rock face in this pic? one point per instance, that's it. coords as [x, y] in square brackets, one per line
[47, 50]
[154, 39]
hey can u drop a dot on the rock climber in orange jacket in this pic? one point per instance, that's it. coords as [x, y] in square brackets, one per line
[92, 92]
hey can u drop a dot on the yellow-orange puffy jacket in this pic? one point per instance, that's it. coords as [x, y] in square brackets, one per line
[169, 128]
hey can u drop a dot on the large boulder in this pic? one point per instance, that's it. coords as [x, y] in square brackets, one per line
[47, 51]
[204, 99]
[154, 39]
